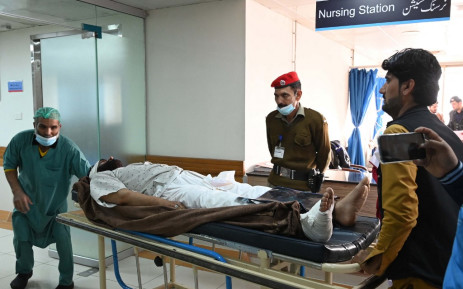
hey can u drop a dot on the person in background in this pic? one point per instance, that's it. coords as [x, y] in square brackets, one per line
[39, 164]
[297, 138]
[456, 116]
[433, 110]
[414, 246]
[442, 163]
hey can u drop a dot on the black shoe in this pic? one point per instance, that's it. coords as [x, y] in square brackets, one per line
[71, 286]
[20, 281]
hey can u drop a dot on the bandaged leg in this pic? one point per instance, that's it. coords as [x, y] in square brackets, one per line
[317, 223]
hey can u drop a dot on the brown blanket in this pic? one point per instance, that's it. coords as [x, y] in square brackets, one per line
[276, 217]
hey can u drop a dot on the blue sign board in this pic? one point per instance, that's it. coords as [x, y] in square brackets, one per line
[15, 86]
[341, 14]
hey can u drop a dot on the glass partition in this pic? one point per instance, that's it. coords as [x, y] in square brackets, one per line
[121, 84]
[98, 84]
[72, 88]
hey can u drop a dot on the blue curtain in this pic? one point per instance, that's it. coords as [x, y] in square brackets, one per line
[361, 85]
[379, 103]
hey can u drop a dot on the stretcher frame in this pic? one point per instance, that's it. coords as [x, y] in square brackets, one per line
[261, 274]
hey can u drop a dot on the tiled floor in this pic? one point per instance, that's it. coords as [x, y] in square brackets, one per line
[46, 273]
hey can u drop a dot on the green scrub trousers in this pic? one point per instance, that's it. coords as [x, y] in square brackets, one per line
[28, 234]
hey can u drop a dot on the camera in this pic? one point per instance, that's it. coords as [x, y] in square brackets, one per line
[401, 147]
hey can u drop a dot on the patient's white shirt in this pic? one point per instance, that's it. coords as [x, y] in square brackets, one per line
[174, 184]
[146, 178]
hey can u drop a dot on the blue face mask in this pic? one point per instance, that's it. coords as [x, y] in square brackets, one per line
[286, 110]
[45, 141]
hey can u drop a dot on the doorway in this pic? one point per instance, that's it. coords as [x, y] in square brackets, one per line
[65, 77]
[98, 85]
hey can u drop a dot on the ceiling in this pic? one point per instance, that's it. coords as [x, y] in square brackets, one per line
[443, 38]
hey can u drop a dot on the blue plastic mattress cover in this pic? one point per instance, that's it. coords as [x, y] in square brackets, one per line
[343, 245]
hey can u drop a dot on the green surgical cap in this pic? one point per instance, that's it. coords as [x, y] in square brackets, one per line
[47, 113]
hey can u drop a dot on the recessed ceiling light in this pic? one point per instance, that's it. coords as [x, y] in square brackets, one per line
[410, 31]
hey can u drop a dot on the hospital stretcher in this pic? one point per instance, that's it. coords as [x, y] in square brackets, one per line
[344, 244]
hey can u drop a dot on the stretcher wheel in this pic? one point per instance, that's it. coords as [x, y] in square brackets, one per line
[158, 261]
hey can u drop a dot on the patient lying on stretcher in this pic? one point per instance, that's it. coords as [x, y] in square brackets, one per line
[146, 183]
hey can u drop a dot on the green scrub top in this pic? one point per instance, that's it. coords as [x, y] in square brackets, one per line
[46, 180]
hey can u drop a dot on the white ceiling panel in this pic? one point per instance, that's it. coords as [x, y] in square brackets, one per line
[377, 42]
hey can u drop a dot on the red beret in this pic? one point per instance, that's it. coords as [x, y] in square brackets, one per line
[285, 79]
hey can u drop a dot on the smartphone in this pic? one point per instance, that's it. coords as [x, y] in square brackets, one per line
[401, 147]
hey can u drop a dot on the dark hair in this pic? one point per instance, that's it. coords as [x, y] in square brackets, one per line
[419, 65]
[296, 86]
[109, 165]
[455, 98]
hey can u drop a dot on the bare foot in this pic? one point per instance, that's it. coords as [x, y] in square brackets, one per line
[327, 200]
[346, 210]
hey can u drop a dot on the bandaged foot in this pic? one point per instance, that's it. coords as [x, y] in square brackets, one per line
[346, 210]
[317, 224]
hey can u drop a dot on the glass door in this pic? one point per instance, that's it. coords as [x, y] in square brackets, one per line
[68, 70]
[70, 84]
[65, 77]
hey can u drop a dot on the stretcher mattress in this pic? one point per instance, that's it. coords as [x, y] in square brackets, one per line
[343, 245]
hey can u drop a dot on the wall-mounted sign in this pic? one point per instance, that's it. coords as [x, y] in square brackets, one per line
[15, 86]
[341, 14]
[93, 28]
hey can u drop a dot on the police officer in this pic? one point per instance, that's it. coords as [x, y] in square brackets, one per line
[297, 138]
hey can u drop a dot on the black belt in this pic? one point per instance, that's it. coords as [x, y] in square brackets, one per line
[290, 174]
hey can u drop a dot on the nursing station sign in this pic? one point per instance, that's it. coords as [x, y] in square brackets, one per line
[341, 14]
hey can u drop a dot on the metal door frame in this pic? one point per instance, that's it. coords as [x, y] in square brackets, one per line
[36, 60]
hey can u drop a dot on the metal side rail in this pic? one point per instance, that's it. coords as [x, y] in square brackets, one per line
[188, 247]
[261, 275]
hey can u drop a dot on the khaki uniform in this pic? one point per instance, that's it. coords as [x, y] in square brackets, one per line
[306, 144]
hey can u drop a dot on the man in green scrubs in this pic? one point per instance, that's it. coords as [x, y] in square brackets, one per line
[39, 164]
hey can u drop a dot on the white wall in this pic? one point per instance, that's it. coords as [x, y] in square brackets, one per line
[322, 66]
[195, 67]
[209, 70]
[15, 64]
[361, 59]
[268, 54]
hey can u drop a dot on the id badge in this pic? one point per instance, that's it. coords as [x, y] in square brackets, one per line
[279, 152]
